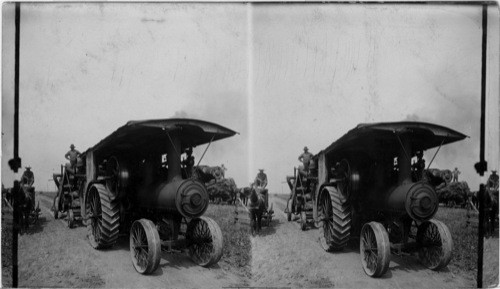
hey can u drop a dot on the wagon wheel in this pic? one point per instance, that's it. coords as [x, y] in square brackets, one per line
[56, 208]
[334, 215]
[71, 218]
[145, 246]
[289, 210]
[33, 216]
[205, 242]
[435, 244]
[375, 249]
[303, 220]
[266, 220]
[104, 217]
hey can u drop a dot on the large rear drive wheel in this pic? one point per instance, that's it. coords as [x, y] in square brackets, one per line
[145, 246]
[435, 244]
[104, 217]
[205, 242]
[375, 249]
[334, 214]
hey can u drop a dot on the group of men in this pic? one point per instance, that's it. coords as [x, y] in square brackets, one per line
[305, 158]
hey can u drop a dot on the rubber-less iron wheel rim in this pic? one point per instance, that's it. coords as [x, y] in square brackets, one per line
[435, 244]
[374, 249]
[205, 241]
[145, 246]
[104, 217]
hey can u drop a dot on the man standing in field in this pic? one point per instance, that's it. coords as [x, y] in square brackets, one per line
[455, 173]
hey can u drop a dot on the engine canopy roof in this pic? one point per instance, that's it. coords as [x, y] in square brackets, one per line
[152, 135]
[383, 138]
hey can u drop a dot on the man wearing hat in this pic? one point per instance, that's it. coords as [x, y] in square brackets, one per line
[28, 178]
[305, 158]
[455, 174]
[72, 155]
[260, 179]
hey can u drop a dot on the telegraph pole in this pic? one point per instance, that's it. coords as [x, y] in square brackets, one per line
[482, 165]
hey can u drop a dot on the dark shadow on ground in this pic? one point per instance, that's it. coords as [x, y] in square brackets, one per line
[37, 227]
[267, 230]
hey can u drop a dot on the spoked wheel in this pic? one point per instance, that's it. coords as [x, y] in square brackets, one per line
[104, 218]
[435, 244]
[303, 219]
[205, 242]
[71, 218]
[375, 249]
[289, 210]
[33, 217]
[56, 208]
[334, 215]
[117, 176]
[145, 246]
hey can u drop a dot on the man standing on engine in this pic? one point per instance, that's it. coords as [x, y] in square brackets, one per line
[72, 155]
[305, 158]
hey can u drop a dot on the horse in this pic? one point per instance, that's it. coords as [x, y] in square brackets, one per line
[256, 208]
[245, 194]
[23, 197]
[490, 210]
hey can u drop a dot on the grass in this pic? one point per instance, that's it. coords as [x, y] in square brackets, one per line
[464, 237]
[6, 250]
[237, 250]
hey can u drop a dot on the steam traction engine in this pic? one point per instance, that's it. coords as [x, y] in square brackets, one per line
[137, 183]
[368, 187]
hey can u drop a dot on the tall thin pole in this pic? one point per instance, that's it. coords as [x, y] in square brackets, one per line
[16, 83]
[16, 160]
[481, 167]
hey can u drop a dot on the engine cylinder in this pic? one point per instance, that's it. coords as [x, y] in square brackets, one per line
[418, 200]
[186, 197]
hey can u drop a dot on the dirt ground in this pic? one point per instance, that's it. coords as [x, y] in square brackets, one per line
[52, 255]
[286, 256]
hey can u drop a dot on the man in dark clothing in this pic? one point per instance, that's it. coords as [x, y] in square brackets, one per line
[455, 174]
[419, 166]
[260, 179]
[28, 178]
[305, 158]
[72, 155]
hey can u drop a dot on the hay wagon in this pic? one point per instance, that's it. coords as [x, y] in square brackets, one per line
[301, 201]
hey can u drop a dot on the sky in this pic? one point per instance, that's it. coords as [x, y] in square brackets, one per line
[283, 76]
